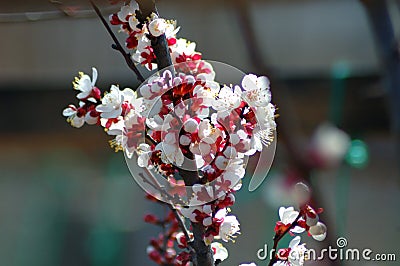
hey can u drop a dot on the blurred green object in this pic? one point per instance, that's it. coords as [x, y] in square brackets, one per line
[340, 72]
[357, 156]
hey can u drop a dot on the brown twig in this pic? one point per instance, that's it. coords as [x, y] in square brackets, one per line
[117, 45]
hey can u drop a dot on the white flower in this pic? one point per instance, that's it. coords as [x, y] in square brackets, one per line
[181, 47]
[229, 226]
[144, 152]
[157, 27]
[266, 116]
[248, 264]
[208, 92]
[297, 252]
[330, 144]
[257, 91]
[133, 22]
[288, 216]
[127, 10]
[124, 129]
[71, 112]
[157, 123]
[171, 152]
[111, 104]
[318, 231]
[296, 255]
[208, 133]
[228, 98]
[220, 252]
[85, 84]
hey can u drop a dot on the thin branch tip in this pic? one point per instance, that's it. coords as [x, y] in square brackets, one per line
[117, 45]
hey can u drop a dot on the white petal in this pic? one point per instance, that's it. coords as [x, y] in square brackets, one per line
[262, 82]
[69, 111]
[94, 76]
[185, 140]
[77, 122]
[230, 152]
[179, 158]
[170, 138]
[207, 221]
[318, 229]
[249, 82]
[90, 119]
[190, 125]
[319, 237]
[294, 242]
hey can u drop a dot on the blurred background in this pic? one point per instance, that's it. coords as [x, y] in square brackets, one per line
[67, 199]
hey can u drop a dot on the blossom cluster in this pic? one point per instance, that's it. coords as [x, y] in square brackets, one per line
[183, 119]
[139, 34]
[211, 122]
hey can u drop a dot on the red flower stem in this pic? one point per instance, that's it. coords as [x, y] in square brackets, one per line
[117, 45]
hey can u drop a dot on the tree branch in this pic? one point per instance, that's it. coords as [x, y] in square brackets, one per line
[117, 45]
[159, 44]
[203, 255]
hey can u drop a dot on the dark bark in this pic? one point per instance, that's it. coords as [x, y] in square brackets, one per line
[159, 44]
[202, 255]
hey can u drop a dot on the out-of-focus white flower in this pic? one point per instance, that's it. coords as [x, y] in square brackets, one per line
[248, 264]
[229, 226]
[256, 90]
[220, 252]
[301, 193]
[85, 84]
[330, 144]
